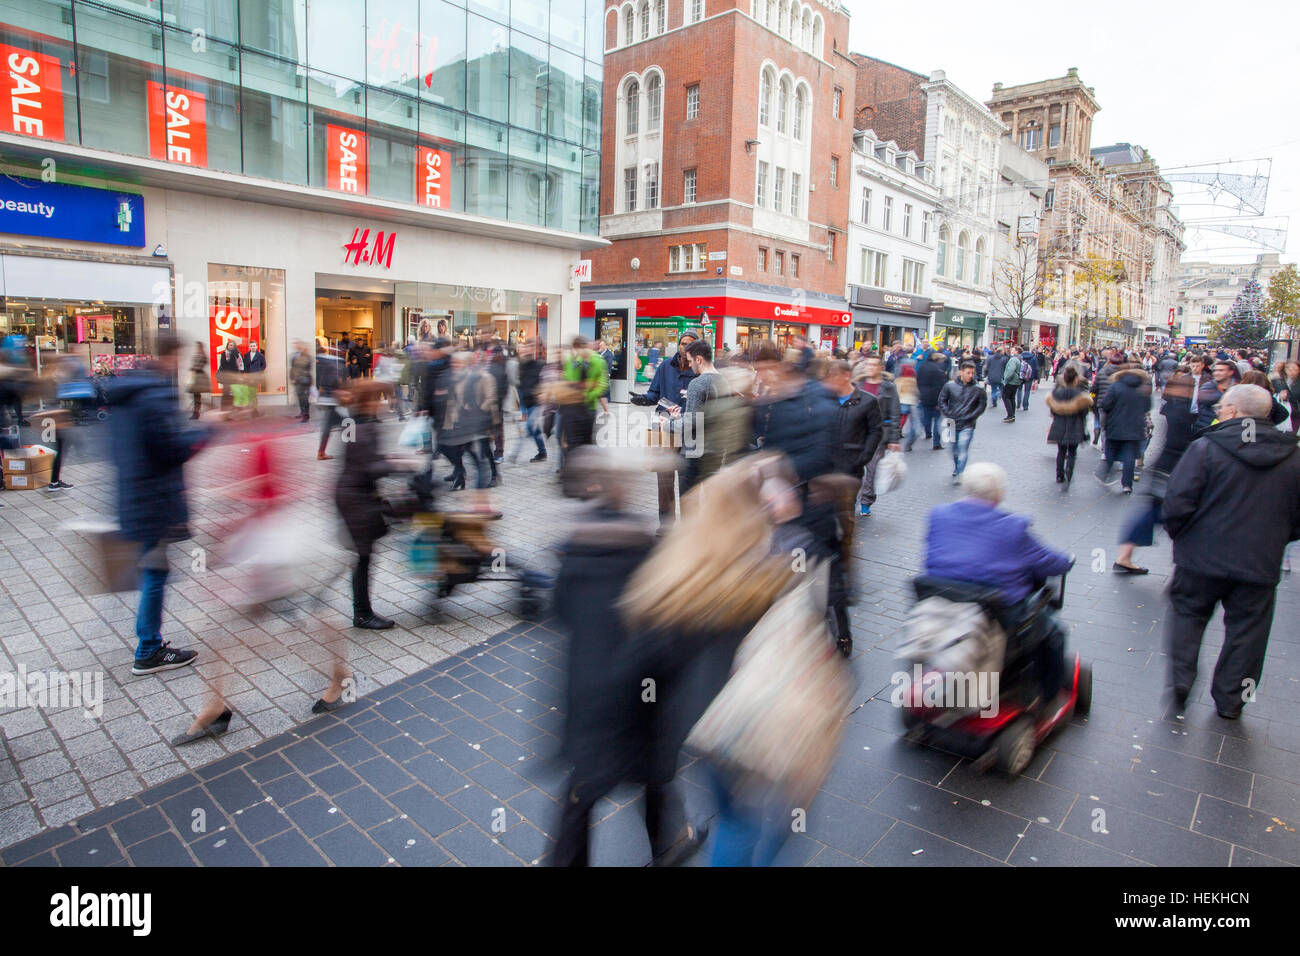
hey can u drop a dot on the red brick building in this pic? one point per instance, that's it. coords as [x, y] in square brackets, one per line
[890, 102]
[727, 130]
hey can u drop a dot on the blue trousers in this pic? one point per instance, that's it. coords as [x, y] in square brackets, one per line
[532, 422]
[746, 835]
[1124, 452]
[961, 448]
[148, 616]
[933, 424]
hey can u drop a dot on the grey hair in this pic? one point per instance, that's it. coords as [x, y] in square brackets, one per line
[986, 481]
[1250, 401]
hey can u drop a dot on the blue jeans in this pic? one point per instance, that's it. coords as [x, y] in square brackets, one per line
[933, 424]
[960, 448]
[1124, 452]
[532, 421]
[1026, 388]
[148, 616]
[746, 835]
[995, 390]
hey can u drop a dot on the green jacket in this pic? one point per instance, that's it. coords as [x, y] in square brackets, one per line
[593, 373]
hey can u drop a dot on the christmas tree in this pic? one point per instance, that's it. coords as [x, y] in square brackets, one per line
[1245, 326]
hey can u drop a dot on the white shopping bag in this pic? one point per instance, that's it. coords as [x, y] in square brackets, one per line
[415, 434]
[890, 472]
[949, 430]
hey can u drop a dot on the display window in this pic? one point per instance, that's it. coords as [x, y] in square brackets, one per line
[247, 304]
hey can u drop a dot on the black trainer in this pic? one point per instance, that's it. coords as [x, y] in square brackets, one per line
[372, 622]
[540, 456]
[166, 658]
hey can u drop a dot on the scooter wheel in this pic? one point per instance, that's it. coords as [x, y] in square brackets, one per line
[1015, 746]
[1083, 701]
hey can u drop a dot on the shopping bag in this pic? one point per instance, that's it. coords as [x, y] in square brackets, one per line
[949, 431]
[415, 434]
[777, 723]
[890, 472]
[242, 395]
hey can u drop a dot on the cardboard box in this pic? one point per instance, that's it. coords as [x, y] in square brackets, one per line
[26, 482]
[28, 460]
[117, 559]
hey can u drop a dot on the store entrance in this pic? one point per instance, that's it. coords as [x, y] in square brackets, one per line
[99, 335]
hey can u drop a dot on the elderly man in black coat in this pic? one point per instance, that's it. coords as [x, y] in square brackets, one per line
[1232, 505]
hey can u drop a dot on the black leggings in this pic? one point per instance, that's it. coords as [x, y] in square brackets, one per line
[57, 467]
[361, 587]
[1065, 455]
[663, 809]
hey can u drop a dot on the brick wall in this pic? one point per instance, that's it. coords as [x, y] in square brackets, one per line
[890, 102]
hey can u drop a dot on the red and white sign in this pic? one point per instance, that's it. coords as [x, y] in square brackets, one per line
[34, 104]
[582, 271]
[432, 178]
[361, 250]
[178, 125]
[345, 160]
[230, 324]
[1171, 316]
[735, 307]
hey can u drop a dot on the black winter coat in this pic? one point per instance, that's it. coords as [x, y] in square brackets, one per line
[357, 491]
[611, 732]
[1069, 408]
[1233, 504]
[804, 427]
[994, 368]
[860, 432]
[1180, 427]
[930, 379]
[1126, 403]
[150, 443]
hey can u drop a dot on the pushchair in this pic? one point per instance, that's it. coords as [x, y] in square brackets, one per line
[454, 547]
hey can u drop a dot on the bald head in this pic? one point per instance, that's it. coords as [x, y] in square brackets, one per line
[1245, 401]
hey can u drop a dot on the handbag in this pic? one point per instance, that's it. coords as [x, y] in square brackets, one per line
[777, 722]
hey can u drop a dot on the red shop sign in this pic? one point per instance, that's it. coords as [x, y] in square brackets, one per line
[345, 160]
[178, 125]
[35, 86]
[432, 187]
[230, 324]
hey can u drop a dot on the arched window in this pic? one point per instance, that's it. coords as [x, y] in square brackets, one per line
[645, 19]
[769, 21]
[782, 106]
[629, 25]
[963, 242]
[765, 100]
[654, 102]
[633, 107]
[783, 18]
[977, 270]
[941, 259]
[805, 28]
[661, 16]
[817, 34]
[798, 113]
[793, 35]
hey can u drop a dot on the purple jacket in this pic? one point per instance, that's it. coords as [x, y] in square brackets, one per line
[971, 540]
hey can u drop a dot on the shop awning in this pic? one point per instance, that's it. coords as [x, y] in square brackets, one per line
[35, 277]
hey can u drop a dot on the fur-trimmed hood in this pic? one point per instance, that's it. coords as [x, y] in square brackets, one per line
[1136, 371]
[1068, 401]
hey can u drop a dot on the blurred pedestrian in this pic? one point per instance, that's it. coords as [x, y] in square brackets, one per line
[199, 381]
[1069, 403]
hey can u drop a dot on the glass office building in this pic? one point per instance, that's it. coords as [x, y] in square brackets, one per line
[486, 107]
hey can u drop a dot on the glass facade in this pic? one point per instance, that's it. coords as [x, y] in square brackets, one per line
[487, 107]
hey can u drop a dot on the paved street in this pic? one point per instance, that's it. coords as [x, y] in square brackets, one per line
[444, 759]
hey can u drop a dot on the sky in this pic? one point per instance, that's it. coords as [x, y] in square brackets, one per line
[1195, 83]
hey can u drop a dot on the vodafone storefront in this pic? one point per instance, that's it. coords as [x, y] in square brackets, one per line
[737, 323]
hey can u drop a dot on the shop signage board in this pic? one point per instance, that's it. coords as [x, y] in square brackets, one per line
[31, 207]
[346, 169]
[34, 84]
[230, 323]
[178, 125]
[432, 182]
[362, 251]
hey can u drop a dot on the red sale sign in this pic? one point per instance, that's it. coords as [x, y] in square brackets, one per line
[345, 160]
[178, 125]
[432, 185]
[229, 323]
[34, 106]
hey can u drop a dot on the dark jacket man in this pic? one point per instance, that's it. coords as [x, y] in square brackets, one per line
[963, 402]
[890, 413]
[1232, 504]
[530, 378]
[930, 379]
[994, 368]
[150, 444]
[1126, 403]
[860, 432]
[670, 381]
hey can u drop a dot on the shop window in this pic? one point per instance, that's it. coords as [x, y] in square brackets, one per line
[247, 304]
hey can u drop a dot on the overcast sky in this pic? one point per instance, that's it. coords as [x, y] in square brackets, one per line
[1193, 82]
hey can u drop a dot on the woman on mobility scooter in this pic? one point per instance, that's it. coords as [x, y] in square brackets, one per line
[994, 562]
